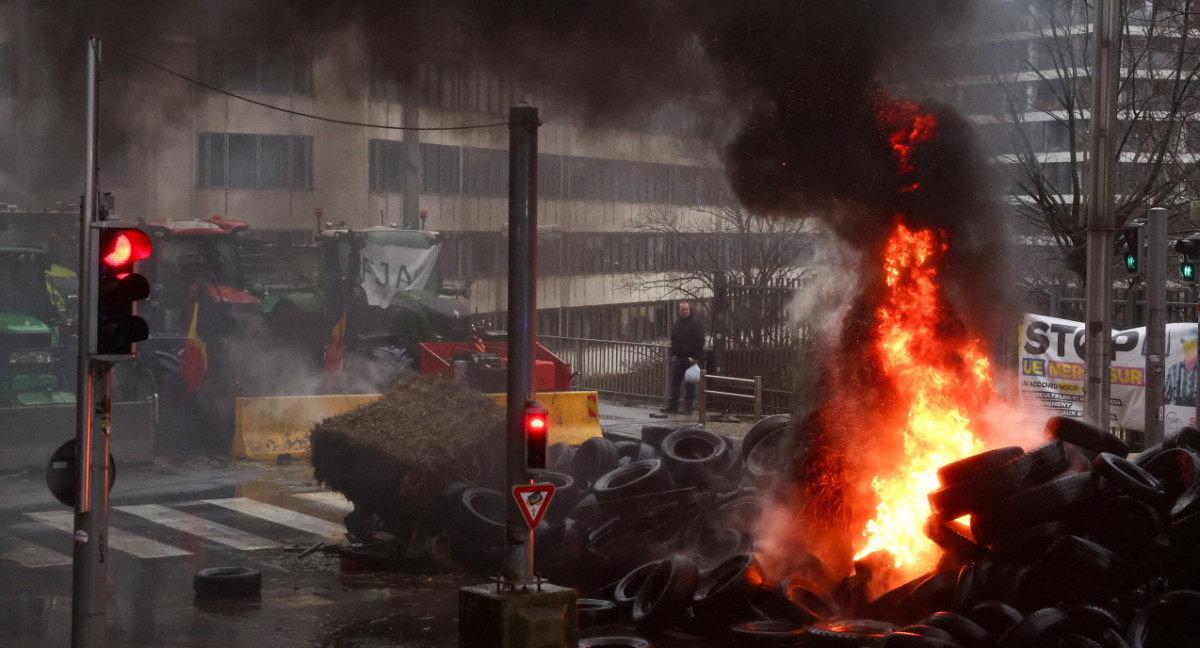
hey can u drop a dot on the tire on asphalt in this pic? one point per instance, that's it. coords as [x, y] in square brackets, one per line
[227, 582]
[694, 455]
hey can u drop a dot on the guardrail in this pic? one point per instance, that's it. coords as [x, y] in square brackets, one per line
[621, 368]
[756, 397]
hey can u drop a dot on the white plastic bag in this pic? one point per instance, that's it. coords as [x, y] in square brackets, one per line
[692, 375]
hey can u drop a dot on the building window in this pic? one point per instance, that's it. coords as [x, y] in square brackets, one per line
[486, 172]
[8, 70]
[245, 161]
[387, 165]
[257, 67]
[439, 169]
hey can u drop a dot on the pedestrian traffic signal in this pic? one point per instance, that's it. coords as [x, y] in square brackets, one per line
[537, 428]
[1133, 248]
[118, 287]
[1190, 249]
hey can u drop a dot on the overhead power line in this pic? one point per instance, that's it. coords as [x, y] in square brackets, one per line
[289, 111]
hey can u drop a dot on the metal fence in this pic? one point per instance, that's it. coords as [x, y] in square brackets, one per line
[637, 369]
[640, 370]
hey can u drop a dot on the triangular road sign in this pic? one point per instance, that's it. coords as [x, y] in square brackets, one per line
[533, 500]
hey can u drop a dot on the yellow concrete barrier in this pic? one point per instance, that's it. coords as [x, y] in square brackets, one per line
[267, 427]
[574, 415]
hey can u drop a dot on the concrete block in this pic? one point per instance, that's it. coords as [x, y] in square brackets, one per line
[491, 618]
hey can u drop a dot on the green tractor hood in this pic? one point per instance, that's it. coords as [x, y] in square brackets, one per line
[13, 324]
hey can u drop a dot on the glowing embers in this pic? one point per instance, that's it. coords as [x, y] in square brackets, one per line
[938, 380]
[908, 127]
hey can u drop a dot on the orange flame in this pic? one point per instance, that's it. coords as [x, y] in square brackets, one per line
[939, 381]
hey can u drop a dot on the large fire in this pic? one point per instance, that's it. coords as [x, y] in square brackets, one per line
[885, 430]
[939, 386]
[938, 380]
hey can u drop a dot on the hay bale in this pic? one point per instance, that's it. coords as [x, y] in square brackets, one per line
[395, 456]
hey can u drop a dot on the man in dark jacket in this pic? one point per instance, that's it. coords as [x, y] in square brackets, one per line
[687, 349]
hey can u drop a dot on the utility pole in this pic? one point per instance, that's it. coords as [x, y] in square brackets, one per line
[1156, 323]
[89, 594]
[1102, 177]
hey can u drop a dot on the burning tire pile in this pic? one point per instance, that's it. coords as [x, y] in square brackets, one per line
[1069, 544]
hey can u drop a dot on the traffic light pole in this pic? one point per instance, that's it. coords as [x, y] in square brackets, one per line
[1156, 323]
[523, 126]
[89, 594]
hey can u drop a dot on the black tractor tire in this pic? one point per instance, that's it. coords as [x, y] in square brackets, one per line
[227, 582]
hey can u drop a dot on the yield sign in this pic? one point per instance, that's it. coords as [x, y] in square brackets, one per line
[533, 499]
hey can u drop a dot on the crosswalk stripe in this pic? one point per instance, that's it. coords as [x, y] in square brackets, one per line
[32, 555]
[332, 501]
[117, 539]
[280, 515]
[198, 526]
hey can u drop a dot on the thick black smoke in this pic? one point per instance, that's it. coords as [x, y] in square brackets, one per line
[797, 82]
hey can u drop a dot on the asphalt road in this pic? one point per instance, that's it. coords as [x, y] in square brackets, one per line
[171, 519]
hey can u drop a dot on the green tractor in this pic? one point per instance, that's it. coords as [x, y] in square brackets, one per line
[37, 367]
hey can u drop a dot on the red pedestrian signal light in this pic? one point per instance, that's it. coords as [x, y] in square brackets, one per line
[116, 327]
[537, 428]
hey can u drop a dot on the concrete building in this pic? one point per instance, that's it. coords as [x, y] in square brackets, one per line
[194, 125]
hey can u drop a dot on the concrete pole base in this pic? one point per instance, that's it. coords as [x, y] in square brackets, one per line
[489, 617]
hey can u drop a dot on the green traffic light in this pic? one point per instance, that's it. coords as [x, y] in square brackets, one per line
[1188, 270]
[1131, 262]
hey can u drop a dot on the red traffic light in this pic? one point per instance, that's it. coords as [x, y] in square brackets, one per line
[126, 247]
[537, 426]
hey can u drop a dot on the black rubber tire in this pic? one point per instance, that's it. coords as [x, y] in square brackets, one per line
[227, 582]
[903, 639]
[653, 435]
[851, 633]
[765, 427]
[693, 456]
[665, 596]
[934, 594]
[807, 594]
[961, 629]
[1044, 503]
[953, 537]
[632, 479]
[768, 458]
[595, 457]
[614, 642]
[989, 487]
[957, 471]
[1094, 620]
[1130, 478]
[766, 634]
[1187, 438]
[480, 515]
[595, 612]
[736, 581]
[565, 494]
[559, 457]
[1171, 620]
[995, 616]
[1091, 438]
[1039, 628]
[631, 583]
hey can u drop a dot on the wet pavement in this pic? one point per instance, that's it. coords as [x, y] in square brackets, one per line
[173, 518]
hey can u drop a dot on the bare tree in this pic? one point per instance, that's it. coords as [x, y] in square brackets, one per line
[1045, 97]
[706, 243]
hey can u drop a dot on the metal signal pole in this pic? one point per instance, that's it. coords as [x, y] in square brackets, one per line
[1102, 177]
[89, 594]
[523, 126]
[1156, 323]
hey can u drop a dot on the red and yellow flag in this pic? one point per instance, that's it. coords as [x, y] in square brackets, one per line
[194, 363]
